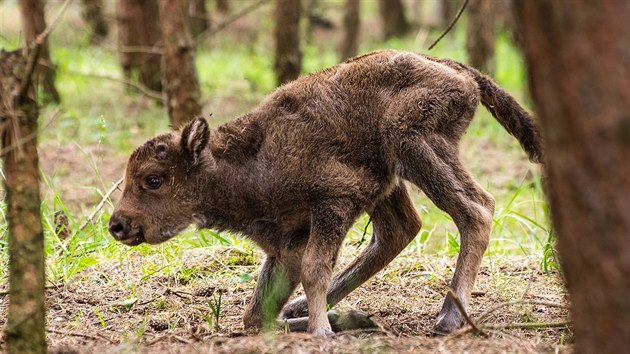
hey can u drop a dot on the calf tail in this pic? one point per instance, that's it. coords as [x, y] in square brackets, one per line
[505, 110]
[510, 115]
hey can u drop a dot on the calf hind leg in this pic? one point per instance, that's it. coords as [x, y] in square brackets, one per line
[395, 223]
[438, 172]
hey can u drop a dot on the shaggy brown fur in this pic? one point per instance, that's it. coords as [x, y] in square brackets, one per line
[295, 173]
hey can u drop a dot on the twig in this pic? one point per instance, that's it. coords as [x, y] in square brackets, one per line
[221, 26]
[489, 311]
[143, 89]
[34, 54]
[462, 310]
[526, 325]
[365, 231]
[87, 336]
[100, 204]
[56, 113]
[459, 13]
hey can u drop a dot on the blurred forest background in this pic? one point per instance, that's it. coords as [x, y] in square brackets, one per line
[112, 74]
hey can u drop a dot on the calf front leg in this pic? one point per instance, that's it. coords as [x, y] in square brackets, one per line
[329, 225]
[277, 280]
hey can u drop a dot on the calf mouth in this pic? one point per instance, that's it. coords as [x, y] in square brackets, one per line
[135, 239]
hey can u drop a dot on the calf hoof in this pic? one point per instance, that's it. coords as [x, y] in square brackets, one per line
[295, 309]
[323, 332]
[448, 323]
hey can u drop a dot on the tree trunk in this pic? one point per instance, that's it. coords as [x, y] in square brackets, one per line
[449, 9]
[92, 13]
[223, 6]
[288, 62]
[393, 16]
[578, 57]
[198, 18]
[138, 41]
[34, 23]
[181, 86]
[480, 35]
[351, 22]
[26, 327]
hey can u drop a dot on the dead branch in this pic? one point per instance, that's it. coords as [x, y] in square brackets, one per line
[34, 54]
[450, 26]
[56, 113]
[138, 86]
[100, 205]
[81, 335]
[221, 26]
[525, 325]
[491, 310]
[462, 310]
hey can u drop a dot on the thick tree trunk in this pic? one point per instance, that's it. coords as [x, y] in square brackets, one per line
[34, 23]
[288, 61]
[181, 86]
[26, 325]
[480, 36]
[92, 13]
[578, 57]
[393, 16]
[138, 41]
[198, 18]
[351, 21]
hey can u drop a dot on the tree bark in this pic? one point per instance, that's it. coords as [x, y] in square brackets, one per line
[92, 13]
[351, 22]
[34, 23]
[577, 53]
[181, 86]
[198, 18]
[288, 62]
[393, 16]
[138, 41]
[26, 325]
[480, 36]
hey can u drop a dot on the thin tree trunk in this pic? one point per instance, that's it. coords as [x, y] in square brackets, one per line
[223, 6]
[26, 324]
[393, 16]
[351, 23]
[577, 53]
[181, 86]
[34, 23]
[288, 62]
[92, 13]
[480, 36]
[138, 41]
[198, 18]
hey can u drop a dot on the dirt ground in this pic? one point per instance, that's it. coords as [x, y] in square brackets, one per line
[119, 308]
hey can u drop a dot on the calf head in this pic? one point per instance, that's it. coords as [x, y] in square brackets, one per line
[163, 182]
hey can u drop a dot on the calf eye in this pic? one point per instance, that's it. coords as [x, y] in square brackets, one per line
[153, 182]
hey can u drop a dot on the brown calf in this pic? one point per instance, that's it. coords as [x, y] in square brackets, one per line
[295, 173]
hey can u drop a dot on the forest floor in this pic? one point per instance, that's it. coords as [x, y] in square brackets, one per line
[97, 313]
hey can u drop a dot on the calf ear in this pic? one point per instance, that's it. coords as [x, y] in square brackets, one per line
[195, 136]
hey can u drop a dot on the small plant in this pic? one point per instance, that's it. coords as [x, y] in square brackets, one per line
[215, 306]
[101, 319]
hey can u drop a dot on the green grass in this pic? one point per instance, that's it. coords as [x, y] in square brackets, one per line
[234, 77]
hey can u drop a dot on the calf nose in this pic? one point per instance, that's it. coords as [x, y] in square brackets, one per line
[119, 226]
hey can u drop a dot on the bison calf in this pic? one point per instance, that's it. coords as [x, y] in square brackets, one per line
[295, 173]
